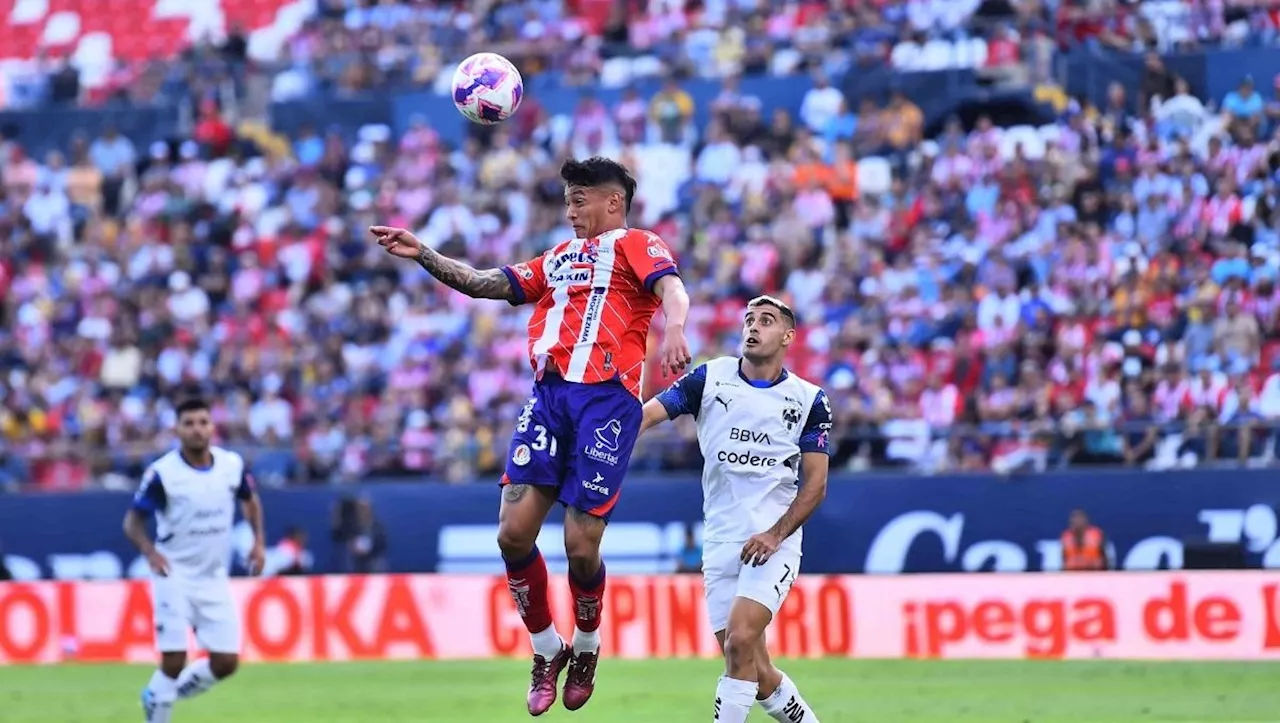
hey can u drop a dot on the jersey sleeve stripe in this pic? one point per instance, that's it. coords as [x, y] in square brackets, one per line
[150, 497]
[817, 427]
[652, 279]
[244, 491]
[517, 291]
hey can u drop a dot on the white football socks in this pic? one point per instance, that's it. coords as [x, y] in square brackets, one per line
[164, 691]
[547, 643]
[585, 642]
[786, 704]
[734, 699]
[195, 679]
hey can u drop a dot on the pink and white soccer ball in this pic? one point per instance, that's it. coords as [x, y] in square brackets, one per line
[487, 88]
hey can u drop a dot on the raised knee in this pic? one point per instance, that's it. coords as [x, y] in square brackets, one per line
[224, 666]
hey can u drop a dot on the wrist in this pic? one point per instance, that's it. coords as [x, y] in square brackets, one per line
[675, 326]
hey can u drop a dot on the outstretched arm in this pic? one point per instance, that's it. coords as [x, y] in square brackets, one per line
[683, 397]
[478, 284]
[654, 414]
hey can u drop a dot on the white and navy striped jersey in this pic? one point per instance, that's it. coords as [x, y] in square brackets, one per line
[194, 510]
[752, 435]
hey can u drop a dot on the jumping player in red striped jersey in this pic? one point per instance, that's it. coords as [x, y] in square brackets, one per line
[594, 297]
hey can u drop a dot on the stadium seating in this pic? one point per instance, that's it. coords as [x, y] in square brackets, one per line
[899, 272]
[96, 34]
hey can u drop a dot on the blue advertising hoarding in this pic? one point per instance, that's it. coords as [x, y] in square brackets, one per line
[869, 523]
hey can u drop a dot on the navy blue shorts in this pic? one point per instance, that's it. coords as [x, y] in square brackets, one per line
[577, 438]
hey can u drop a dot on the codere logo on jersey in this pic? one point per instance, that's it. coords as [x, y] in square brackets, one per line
[747, 459]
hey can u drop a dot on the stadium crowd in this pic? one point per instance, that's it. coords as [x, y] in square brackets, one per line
[1105, 292]
[348, 47]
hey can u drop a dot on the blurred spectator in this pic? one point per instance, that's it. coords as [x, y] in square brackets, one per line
[290, 556]
[1084, 545]
[359, 539]
[690, 558]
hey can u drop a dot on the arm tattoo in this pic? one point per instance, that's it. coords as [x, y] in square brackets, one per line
[488, 284]
[514, 493]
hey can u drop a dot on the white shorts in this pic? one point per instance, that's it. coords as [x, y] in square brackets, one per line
[204, 606]
[725, 577]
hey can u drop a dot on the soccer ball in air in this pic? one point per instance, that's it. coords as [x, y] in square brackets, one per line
[487, 88]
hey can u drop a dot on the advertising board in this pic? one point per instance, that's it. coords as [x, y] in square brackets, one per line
[1160, 615]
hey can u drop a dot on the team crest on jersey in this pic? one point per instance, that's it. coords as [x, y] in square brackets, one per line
[791, 416]
[521, 456]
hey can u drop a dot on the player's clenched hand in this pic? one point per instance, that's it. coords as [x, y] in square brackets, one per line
[675, 351]
[760, 548]
[397, 241]
[159, 565]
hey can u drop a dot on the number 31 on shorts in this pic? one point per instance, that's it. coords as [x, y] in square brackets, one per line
[542, 441]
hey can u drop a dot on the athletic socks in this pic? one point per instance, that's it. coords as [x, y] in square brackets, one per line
[734, 699]
[159, 697]
[546, 642]
[195, 679]
[786, 704]
[588, 605]
[527, 581]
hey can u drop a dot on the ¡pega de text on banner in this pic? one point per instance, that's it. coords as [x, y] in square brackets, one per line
[1175, 615]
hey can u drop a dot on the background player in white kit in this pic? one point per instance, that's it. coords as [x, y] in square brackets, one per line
[192, 493]
[764, 435]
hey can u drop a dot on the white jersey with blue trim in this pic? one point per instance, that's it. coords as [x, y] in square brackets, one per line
[194, 510]
[752, 435]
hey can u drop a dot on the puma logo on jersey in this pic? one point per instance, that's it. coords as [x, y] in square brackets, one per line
[723, 402]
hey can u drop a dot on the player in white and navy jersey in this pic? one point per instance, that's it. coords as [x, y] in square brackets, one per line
[192, 493]
[764, 435]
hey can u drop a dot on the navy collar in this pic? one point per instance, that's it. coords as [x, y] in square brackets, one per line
[188, 463]
[759, 383]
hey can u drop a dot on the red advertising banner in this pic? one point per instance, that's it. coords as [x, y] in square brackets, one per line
[1175, 615]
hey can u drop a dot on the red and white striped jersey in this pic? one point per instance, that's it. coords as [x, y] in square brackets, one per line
[594, 303]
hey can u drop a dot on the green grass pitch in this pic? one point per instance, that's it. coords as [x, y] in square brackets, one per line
[842, 691]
